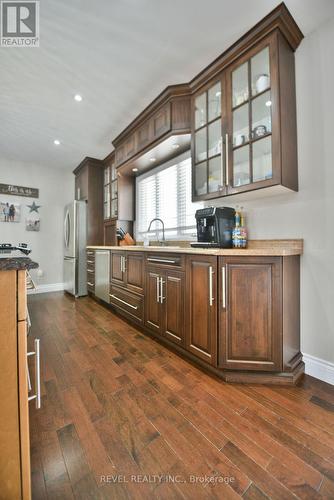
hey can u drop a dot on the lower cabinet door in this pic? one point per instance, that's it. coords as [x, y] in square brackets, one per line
[173, 293]
[117, 267]
[201, 307]
[153, 309]
[250, 313]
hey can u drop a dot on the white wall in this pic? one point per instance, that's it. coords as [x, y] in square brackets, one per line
[309, 214]
[56, 188]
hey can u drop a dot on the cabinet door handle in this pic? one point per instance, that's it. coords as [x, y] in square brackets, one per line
[211, 299]
[221, 162]
[164, 261]
[123, 301]
[90, 262]
[162, 298]
[37, 394]
[90, 271]
[124, 264]
[121, 264]
[89, 283]
[158, 286]
[223, 287]
[226, 159]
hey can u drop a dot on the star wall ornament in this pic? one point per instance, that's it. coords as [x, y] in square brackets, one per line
[33, 207]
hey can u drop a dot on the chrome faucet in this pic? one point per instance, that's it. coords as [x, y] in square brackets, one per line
[163, 228]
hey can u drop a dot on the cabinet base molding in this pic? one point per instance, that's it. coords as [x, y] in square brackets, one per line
[238, 377]
[282, 378]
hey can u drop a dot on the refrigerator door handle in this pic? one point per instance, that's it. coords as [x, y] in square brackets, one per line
[67, 229]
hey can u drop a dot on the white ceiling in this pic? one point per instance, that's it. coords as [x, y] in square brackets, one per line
[119, 54]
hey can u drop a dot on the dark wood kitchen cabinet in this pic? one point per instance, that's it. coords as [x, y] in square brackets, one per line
[153, 311]
[127, 283]
[127, 269]
[118, 201]
[201, 307]
[89, 187]
[165, 303]
[250, 316]
[244, 133]
[259, 314]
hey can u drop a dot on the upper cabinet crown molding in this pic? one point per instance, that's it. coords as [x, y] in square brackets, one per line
[278, 19]
[88, 160]
[170, 113]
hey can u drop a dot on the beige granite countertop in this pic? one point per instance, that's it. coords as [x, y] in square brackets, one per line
[269, 248]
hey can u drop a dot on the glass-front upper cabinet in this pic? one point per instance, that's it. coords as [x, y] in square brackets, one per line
[110, 194]
[244, 134]
[106, 193]
[113, 190]
[249, 123]
[208, 160]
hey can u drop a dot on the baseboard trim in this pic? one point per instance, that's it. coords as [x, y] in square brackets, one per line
[319, 368]
[52, 287]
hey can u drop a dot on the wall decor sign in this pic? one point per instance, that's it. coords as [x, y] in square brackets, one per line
[19, 191]
[10, 212]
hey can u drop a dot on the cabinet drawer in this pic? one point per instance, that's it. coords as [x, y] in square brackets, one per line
[127, 302]
[166, 260]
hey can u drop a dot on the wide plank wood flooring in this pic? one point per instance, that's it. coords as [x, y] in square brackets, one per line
[123, 417]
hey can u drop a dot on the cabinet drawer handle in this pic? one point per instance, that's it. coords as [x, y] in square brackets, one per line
[162, 298]
[211, 299]
[90, 253]
[226, 159]
[224, 287]
[37, 395]
[221, 162]
[123, 301]
[90, 271]
[90, 262]
[165, 261]
[90, 284]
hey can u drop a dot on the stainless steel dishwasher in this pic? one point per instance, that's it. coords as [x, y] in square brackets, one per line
[102, 274]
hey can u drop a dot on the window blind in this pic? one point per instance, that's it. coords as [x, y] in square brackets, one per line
[165, 192]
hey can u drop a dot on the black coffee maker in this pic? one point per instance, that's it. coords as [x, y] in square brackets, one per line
[214, 227]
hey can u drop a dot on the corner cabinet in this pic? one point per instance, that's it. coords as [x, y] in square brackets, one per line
[244, 134]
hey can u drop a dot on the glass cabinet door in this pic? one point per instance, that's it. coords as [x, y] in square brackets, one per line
[250, 121]
[106, 194]
[208, 168]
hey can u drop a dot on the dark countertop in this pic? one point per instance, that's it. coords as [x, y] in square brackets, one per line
[16, 263]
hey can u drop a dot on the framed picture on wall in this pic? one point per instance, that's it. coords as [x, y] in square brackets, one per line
[33, 224]
[10, 212]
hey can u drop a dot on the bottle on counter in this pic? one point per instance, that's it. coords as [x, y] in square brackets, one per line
[239, 233]
[243, 231]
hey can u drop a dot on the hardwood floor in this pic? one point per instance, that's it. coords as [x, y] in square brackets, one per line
[123, 417]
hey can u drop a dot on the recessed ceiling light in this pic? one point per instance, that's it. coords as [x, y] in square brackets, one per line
[56, 142]
[152, 159]
[135, 170]
[78, 97]
[175, 146]
[268, 104]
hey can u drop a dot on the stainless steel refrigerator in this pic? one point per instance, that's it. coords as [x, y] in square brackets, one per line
[75, 237]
